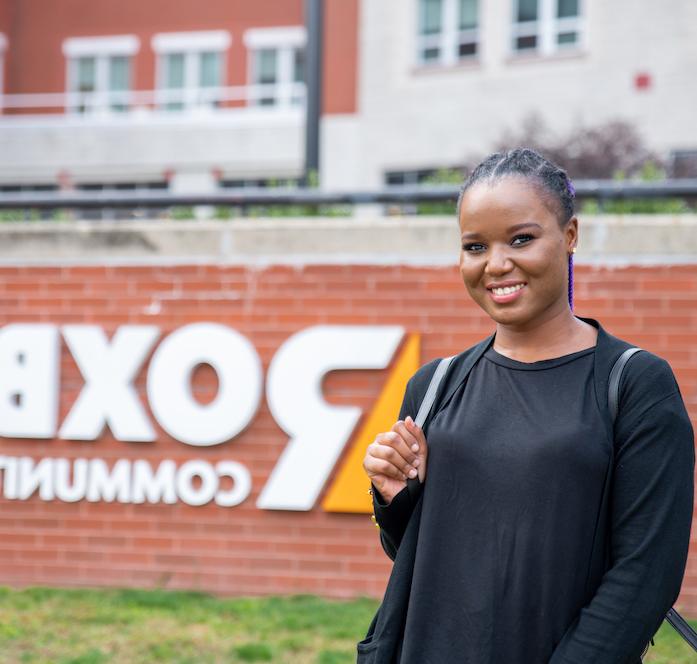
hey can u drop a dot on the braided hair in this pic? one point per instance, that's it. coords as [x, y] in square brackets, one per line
[552, 181]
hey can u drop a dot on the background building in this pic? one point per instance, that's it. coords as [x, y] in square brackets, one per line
[195, 96]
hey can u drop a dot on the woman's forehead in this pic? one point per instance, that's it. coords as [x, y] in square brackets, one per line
[502, 200]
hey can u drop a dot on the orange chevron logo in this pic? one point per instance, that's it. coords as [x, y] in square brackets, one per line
[348, 491]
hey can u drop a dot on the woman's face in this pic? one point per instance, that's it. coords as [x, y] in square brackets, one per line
[512, 240]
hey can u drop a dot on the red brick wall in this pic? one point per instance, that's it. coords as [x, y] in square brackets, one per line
[244, 549]
[36, 63]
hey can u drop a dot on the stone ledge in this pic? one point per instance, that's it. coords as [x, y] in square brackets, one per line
[613, 239]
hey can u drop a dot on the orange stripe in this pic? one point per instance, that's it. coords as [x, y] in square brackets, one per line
[348, 492]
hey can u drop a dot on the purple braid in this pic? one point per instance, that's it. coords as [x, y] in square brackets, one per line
[572, 193]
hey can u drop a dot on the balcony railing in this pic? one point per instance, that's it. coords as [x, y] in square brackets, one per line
[115, 102]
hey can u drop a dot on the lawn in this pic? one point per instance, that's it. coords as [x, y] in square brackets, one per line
[42, 625]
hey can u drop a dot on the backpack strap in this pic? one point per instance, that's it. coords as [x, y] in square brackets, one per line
[613, 396]
[430, 395]
[414, 485]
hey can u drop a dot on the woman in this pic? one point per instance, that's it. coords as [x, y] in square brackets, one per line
[543, 534]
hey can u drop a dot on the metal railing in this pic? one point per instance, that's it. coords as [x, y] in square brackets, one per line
[600, 190]
[119, 102]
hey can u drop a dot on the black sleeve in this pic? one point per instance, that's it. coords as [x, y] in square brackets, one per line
[393, 518]
[651, 516]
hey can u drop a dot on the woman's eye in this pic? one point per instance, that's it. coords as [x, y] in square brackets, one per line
[472, 247]
[526, 238]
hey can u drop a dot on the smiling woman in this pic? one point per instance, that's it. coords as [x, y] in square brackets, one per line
[537, 532]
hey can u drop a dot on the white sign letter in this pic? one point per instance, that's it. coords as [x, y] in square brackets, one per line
[108, 396]
[239, 371]
[318, 431]
[29, 376]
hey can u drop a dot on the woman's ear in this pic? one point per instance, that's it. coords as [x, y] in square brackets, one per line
[571, 234]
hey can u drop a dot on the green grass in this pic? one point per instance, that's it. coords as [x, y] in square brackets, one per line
[45, 625]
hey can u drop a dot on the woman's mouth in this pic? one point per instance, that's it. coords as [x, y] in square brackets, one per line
[503, 294]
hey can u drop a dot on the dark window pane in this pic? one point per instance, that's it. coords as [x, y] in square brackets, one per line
[567, 8]
[526, 43]
[468, 14]
[86, 74]
[430, 17]
[266, 66]
[299, 65]
[527, 10]
[394, 178]
[423, 175]
[567, 38]
[125, 186]
[467, 50]
[430, 54]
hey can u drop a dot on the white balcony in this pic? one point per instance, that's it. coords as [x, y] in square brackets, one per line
[247, 131]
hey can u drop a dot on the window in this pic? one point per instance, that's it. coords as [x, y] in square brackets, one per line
[190, 69]
[276, 66]
[99, 72]
[546, 26]
[448, 31]
[265, 183]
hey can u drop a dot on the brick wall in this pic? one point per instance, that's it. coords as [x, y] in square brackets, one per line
[244, 549]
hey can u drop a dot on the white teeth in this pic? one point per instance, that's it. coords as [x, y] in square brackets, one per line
[507, 289]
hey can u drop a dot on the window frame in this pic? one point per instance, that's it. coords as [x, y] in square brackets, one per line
[286, 41]
[192, 46]
[546, 29]
[450, 37]
[103, 49]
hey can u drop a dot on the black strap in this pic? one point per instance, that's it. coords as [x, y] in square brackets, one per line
[613, 397]
[673, 618]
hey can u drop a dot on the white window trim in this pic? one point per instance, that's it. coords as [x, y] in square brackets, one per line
[191, 45]
[278, 37]
[101, 49]
[449, 38]
[77, 47]
[545, 28]
[285, 41]
[184, 42]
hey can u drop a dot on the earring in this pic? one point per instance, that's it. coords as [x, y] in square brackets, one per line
[573, 251]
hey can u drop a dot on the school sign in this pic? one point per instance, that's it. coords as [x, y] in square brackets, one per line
[318, 432]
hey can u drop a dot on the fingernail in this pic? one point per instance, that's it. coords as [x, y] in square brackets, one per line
[414, 448]
[412, 472]
[416, 462]
[409, 421]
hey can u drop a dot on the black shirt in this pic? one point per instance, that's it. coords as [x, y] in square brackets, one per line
[518, 462]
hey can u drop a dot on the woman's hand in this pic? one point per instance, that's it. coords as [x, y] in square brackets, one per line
[395, 455]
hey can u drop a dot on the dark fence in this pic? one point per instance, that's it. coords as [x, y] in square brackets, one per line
[602, 191]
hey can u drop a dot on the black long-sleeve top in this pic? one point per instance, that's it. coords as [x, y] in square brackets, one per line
[524, 487]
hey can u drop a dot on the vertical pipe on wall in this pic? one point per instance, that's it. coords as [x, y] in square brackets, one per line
[313, 80]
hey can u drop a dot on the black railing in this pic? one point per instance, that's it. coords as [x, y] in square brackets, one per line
[600, 190]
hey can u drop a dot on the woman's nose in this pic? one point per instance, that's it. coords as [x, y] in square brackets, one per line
[498, 261]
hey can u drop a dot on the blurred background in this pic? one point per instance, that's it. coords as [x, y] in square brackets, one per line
[228, 240]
